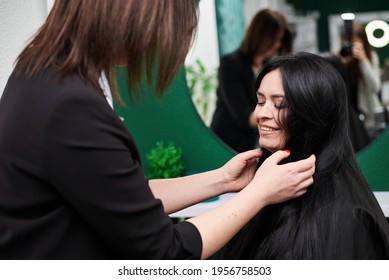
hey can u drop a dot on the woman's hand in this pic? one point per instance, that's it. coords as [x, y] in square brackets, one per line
[283, 182]
[359, 51]
[240, 170]
[272, 183]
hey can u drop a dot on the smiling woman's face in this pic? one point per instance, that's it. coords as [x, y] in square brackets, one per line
[270, 107]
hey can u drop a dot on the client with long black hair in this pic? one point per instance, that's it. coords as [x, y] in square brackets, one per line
[302, 106]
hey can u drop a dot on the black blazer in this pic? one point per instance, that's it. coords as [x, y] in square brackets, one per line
[71, 183]
[235, 102]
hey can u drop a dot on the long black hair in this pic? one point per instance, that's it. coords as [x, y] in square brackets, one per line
[316, 122]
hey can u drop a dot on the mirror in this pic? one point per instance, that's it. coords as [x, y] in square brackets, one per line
[317, 28]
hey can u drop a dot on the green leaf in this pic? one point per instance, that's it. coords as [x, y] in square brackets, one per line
[164, 161]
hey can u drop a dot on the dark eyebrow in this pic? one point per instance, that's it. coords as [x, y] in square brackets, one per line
[276, 95]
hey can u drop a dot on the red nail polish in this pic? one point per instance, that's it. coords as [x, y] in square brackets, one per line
[288, 151]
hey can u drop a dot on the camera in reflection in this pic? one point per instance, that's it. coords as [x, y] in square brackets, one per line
[347, 49]
[347, 45]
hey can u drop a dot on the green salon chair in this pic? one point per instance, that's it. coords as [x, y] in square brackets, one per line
[374, 162]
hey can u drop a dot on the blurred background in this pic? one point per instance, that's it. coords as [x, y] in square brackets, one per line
[316, 25]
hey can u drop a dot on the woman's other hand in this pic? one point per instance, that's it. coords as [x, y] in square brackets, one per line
[240, 170]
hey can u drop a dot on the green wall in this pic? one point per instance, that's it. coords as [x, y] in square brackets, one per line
[172, 118]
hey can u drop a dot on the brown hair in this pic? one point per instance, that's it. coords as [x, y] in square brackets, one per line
[360, 32]
[86, 37]
[353, 65]
[262, 31]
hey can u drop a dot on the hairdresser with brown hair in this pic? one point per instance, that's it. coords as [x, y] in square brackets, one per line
[71, 183]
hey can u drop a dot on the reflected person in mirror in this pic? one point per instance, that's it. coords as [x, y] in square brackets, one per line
[363, 70]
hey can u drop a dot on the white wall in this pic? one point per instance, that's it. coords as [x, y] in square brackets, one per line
[205, 48]
[19, 20]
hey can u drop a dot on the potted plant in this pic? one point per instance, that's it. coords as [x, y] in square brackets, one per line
[165, 161]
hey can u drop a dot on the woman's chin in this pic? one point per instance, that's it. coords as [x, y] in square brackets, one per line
[271, 149]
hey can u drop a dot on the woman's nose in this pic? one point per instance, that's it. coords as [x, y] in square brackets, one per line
[263, 111]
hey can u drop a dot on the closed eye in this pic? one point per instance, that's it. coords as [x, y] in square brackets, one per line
[281, 104]
[278, 100]
[261, 100]
[261, 103]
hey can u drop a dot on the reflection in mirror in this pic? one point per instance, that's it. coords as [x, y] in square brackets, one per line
[371, 93]
[316, 28]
